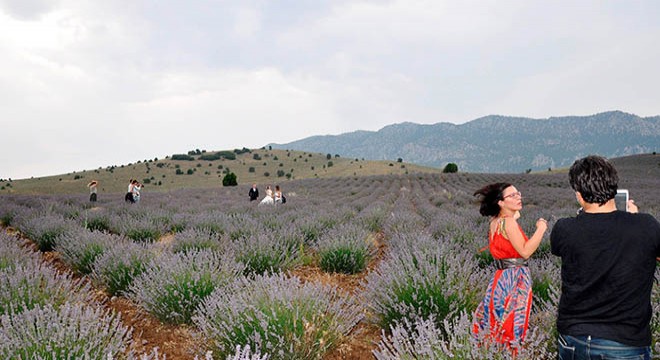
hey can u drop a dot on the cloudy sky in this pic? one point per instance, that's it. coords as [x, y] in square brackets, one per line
[85, 84]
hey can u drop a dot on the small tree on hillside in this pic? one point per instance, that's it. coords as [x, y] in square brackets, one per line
[229, 180]
[450, 168]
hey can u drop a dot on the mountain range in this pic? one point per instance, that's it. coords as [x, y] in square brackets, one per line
[496, 144]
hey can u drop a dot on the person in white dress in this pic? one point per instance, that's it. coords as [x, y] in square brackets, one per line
[268, 199]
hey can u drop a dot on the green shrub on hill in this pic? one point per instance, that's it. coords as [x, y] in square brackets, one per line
[450, 168]
[182, 157]
[229, 180]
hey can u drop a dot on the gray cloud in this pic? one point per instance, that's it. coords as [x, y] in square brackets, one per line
[293, 69]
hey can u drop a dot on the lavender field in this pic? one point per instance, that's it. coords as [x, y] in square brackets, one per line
[232, 274]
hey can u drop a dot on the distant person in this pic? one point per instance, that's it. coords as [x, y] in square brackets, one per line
[278, 197]
[608, 260]
[253, 193]
[137, 186]
[268, 199]
[503, 315]
[92, 190]
[129, 194]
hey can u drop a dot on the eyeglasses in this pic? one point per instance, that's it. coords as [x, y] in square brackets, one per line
[517, 194]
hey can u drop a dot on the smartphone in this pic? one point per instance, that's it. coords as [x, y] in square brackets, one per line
[621, 199]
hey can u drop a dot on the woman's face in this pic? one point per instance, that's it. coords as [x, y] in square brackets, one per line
[511, 199]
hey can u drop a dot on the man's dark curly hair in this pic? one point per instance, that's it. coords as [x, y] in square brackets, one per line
[594, 178]
[490, 196]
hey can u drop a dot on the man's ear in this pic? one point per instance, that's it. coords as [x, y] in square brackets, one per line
[579, 198]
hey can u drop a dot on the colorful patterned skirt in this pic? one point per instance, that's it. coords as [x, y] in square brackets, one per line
[503, 315]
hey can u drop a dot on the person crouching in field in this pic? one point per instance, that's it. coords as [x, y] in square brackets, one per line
[503, 315]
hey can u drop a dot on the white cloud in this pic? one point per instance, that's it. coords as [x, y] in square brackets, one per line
[78, 76]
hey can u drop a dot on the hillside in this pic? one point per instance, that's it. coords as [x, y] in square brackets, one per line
[498, 144]
[259, 166]
[422, 233]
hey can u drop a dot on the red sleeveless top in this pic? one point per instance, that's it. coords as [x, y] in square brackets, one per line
[500, 247]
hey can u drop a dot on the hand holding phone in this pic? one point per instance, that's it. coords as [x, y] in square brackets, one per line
[621, 199]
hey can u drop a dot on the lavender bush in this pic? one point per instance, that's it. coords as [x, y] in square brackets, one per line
[96, 220]
[79, 248]
[242, 226]
[44, 230]
[373, 218]
[197, 239]
[74, 331]
[139, 229]
[453, 339]
[213, 222]
[115, 269]
[345, 249]
[421, 279]
[174, 285]
[9, 211]
[276, 315]
[266, 252]
[26, 286]
[13, 255]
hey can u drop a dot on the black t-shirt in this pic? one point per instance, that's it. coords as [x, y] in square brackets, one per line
[608, 264]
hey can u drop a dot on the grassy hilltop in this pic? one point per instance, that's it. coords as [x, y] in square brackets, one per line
[262, 166]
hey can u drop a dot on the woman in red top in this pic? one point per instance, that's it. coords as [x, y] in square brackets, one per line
[503, 315]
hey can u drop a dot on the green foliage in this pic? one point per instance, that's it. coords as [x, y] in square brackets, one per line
[229, 155]
[242, 151]
[196, 240]
[450, 168]
[211, 157]
[7, 217]
[143, 234]
[229, 180]
[79, 249]
[116, 268]
[484, 258]
[344, 260]
[345, 249]
[182, 157]
[173, 286]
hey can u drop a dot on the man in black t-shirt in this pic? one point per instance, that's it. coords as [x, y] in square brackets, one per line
[608, 260]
